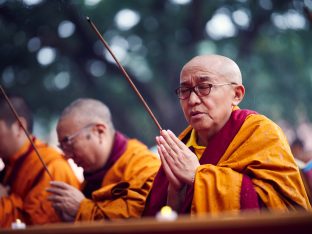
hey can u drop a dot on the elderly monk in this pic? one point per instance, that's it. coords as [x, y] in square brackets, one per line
[227, 159]
[118, 171]
[23, 186]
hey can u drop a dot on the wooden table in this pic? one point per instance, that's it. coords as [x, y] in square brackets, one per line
[251, 223]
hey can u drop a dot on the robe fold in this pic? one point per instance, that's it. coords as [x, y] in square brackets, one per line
[126, 180]
[28, 181]
[246, 165]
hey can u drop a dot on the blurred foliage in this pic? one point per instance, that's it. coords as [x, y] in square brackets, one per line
[270, 41]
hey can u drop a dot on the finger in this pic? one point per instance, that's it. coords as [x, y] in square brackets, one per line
[174, 162]
[177, 141]
[169, 150]
[170, 142]
[170, 175]
[57, 191]
[60, 184]
[184, 151]
[158, 141]
[55, 199]
[54, 190]
[172, 158]
[167, 138]
[164, 159]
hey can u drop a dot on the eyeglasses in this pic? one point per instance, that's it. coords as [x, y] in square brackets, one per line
[201, 90]
[66, 143]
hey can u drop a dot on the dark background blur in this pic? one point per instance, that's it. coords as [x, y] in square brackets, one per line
[51, 56]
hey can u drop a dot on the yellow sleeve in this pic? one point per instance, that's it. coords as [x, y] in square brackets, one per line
[10, 209]
[216, 189]
[36, 204]
[124, 190]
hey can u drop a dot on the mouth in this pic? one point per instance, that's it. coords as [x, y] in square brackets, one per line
[195, 113]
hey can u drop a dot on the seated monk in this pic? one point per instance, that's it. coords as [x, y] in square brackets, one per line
[24, 180]
[227, 159]
[118, 171]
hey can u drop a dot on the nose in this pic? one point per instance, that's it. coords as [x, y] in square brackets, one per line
[193, 98]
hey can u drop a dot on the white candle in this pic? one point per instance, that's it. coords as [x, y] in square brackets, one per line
[18, 224]
[166, 214]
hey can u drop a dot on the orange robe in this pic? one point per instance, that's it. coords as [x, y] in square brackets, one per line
[25, 174]
[124, 187]
[259, 150]
[253, 169]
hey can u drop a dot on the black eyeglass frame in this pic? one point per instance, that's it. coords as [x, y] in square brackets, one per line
[195, 89]
[68, 140]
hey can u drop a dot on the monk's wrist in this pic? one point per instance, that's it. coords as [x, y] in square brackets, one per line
[175, 197]
[173, 189]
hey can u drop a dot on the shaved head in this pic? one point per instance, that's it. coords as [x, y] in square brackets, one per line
[217, 64]
[87, 110]
[86, 133]
[21, 108]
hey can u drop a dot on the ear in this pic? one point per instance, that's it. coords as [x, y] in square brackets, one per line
[100, 128]
[18, 126]
[239, 92]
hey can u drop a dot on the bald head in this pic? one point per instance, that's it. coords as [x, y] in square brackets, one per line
[216, 64]
[21, 108]
[86, 111]
[86, 133]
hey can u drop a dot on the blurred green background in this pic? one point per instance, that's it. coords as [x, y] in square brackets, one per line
[51, 56]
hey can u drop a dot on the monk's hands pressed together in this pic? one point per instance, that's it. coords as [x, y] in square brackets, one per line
[179, 162]
[65, 199]
[174, 182]
[4, 190]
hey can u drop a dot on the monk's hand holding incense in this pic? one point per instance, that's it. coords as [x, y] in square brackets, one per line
[65, 199]
[175, 190]
[175, 183]
[180, 160]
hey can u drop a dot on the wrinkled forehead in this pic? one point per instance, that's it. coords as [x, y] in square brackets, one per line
[200, 73]
[213, 69]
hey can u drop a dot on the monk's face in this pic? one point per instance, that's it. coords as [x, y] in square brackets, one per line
[207, 114]
[84, 142]
[8, 139]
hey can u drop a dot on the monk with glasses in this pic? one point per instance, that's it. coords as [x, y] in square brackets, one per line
[228, 159]
[118, 170]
